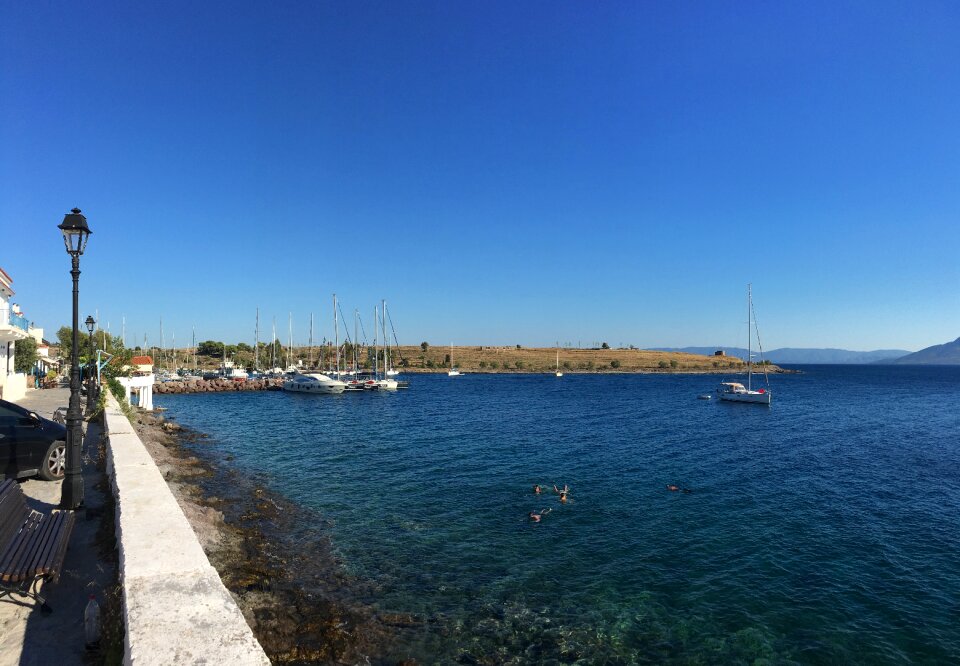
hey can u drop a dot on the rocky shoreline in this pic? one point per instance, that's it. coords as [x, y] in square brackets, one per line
[218, 385]
[301, 604]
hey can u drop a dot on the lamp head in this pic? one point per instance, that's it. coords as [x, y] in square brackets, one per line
[90, 322]
[75, 232]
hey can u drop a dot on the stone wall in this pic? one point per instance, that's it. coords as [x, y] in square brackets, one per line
[176, 610]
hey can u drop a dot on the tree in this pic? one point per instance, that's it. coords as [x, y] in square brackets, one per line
[244, 347]
[24, 355]
[210, 348]
[662, 364]
[424, 346]
[614, 363]
[65, 341]
[446, 358]
[604, 346]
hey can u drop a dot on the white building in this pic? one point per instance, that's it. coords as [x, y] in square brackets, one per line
[13, 327]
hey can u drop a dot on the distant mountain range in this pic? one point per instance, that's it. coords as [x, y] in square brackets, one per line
[945, 354]
[788, 356]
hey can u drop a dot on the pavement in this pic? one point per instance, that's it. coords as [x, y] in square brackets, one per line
[27, 636]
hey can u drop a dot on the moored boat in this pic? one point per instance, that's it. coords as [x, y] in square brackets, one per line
[313, 382]
[735, 391]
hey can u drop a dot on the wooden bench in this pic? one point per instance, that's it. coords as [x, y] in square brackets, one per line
[32, 544]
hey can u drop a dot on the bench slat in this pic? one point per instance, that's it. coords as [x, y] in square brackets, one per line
[60, 552]
[10, 568]
[45, 556]
[13, 510]
[27, 566]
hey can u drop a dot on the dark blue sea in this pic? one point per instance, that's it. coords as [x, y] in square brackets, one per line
[823, 529]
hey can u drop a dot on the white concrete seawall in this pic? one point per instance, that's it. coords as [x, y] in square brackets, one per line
[175, 607]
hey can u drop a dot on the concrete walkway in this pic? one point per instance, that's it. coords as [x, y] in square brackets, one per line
[28, 637]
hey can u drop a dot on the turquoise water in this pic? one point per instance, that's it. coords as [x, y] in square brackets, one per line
[825, 529]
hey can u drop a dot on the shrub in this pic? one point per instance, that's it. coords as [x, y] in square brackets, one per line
[566, 364]
[519, 365]
[589, 365]
[604, 346]
[662, 364]
[674, 363]
[424, 346]
[614, 364]
[483, 364]
[494, 365]
[430, 363]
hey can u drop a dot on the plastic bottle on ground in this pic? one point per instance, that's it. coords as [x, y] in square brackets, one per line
[91, 623]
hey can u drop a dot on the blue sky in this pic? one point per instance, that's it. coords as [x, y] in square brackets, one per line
[500, 172]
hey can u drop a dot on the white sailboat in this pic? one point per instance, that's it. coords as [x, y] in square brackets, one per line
[557, 372]
[735, 391]
[452, 372]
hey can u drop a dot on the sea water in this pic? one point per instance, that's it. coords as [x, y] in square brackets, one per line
[822, 529]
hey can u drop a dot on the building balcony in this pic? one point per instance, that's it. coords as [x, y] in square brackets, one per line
[12, 327]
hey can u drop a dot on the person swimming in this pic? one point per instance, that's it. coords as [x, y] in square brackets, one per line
[535, 517]
[537, 489]
[563, 493]
[675, 488]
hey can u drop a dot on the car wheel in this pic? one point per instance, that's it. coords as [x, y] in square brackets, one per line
[54, 461]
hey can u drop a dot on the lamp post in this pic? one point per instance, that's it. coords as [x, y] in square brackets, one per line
[91, 398]
[75, 235]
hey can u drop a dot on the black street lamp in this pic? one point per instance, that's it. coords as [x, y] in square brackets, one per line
[91, 398]
[75, 235]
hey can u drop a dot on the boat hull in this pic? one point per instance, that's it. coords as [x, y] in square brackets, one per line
[295, 386]
[753, 397]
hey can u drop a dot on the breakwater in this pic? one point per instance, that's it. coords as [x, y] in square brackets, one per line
[218, 385]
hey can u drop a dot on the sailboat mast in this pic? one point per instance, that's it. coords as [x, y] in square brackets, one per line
[356, 353]
[256, 343]
[376, 324]
[273, 346]
[336, 332]
[193, 344]
[749, 337]
[311, 339]
[386, 340]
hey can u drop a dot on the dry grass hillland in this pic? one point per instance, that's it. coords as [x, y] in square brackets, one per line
[544, 359]
[495, 359]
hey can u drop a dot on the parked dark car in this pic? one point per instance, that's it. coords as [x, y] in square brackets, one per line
[30, 444]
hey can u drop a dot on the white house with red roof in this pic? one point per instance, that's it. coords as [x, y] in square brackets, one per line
[140, 382]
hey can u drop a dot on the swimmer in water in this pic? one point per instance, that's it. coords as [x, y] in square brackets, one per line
[537, 489]
[563, 493]
[535, 517]
[675, 488]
